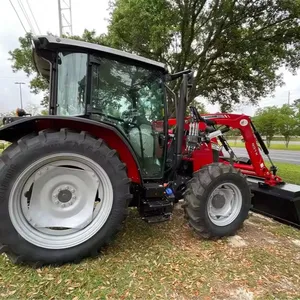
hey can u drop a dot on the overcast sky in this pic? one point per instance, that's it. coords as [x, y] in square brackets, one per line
[89, 14]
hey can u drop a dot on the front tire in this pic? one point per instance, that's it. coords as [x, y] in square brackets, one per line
[63, 196]
[217, 201]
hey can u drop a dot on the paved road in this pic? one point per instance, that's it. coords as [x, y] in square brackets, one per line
[285, 156]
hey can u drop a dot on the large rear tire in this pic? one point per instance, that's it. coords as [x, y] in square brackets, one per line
[217, 201]
[63, 196]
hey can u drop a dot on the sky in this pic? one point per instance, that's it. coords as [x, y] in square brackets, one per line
[89, 14]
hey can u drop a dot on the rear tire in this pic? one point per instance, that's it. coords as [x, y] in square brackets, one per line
[24, 241]
[202, 208]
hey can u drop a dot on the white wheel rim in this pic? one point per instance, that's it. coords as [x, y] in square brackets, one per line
[224, 204]
[83, 215]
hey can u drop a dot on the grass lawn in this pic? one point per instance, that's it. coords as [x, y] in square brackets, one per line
[168, 261]
[273, 146]
[289, 172]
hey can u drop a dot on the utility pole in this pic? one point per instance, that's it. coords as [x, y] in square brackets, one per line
[289, 94]
[59, 19]
[65, 17]
[20, 86]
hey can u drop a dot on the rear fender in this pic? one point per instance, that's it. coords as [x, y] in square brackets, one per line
[111, 135]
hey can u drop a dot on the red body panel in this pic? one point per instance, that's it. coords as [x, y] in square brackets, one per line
[202, 156]
[109, 136]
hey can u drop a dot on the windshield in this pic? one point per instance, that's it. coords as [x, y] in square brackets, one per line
[118, 90]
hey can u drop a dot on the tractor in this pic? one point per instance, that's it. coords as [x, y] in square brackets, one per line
[68, 179]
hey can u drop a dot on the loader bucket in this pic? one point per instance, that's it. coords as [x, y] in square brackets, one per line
[281, 202]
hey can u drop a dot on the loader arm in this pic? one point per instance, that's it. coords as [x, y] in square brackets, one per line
[244, 124]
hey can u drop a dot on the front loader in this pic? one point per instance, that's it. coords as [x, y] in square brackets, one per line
[67, 179]
[271, 195]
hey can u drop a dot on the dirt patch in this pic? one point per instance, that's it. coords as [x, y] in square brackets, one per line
[241, 294]
[296, 242]
[236, 241]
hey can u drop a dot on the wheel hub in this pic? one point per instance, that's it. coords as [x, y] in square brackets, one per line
[218, 201]
[64, 196]
[224, 204]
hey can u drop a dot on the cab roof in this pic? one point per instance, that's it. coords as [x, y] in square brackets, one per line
[54, 42]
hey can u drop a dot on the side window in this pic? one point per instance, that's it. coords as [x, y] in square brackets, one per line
[71, 91]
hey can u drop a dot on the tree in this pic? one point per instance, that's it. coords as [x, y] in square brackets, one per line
[296, 106]
[44, 112]
[287, 122]
[32, 109]
[235, 46]
[199, 105]
[21, 59]
[266, 121]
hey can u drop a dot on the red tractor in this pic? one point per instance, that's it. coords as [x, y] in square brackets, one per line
[67, 179]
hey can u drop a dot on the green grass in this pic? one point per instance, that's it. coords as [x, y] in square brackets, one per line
[165, 261]
[272, 146]
[289, 172]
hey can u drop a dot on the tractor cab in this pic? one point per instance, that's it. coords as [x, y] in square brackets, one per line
[109, 86]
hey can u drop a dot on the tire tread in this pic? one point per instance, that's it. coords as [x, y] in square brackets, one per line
[196, 194]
